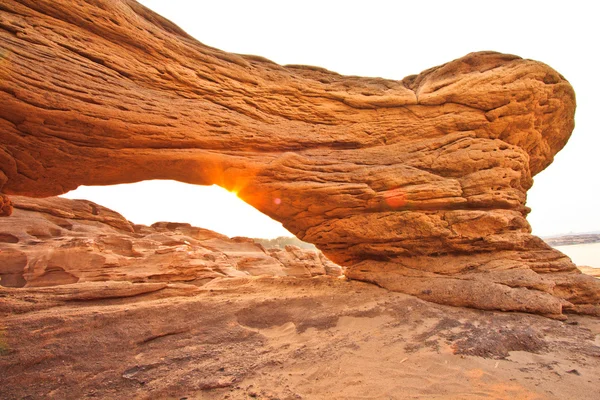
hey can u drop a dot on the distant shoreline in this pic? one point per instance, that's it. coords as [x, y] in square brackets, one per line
[568, 240]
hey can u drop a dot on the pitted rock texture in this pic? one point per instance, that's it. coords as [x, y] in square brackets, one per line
[5, 206]
[416, 185]
[55, 241]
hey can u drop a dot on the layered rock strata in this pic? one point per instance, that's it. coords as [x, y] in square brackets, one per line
[55, 241]
[416, 185]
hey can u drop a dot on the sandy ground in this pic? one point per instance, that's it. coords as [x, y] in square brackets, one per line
[283, 338]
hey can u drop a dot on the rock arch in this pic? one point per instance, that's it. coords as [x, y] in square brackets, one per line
[416, 185]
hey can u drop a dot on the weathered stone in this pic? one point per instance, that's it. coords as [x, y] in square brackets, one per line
[418, 181]
[5, 206]
[304, 263]
[90, 243]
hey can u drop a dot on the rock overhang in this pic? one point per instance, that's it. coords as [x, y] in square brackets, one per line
[416, 185]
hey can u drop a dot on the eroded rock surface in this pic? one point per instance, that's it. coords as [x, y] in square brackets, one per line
[416, 185]
[55, 241]
[282, 338]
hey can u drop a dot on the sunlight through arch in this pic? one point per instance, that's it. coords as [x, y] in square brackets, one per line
[209, 207]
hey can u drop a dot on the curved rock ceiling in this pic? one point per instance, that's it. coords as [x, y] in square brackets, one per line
[416, 185]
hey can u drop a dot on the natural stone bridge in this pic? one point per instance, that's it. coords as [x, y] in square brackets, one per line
[416, 185]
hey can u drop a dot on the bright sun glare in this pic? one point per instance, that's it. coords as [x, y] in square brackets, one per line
[209, 207]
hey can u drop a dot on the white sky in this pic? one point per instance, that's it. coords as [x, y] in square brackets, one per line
[391, 39]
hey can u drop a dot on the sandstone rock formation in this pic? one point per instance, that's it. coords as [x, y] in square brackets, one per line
[55, 241]
[282, 338]
[416, 185]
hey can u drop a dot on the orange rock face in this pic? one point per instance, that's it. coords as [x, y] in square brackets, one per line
[416, 185]
[55, 241]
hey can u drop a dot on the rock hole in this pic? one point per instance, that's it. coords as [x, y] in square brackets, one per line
[208, 207]
[54, 276]
[12, 268]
